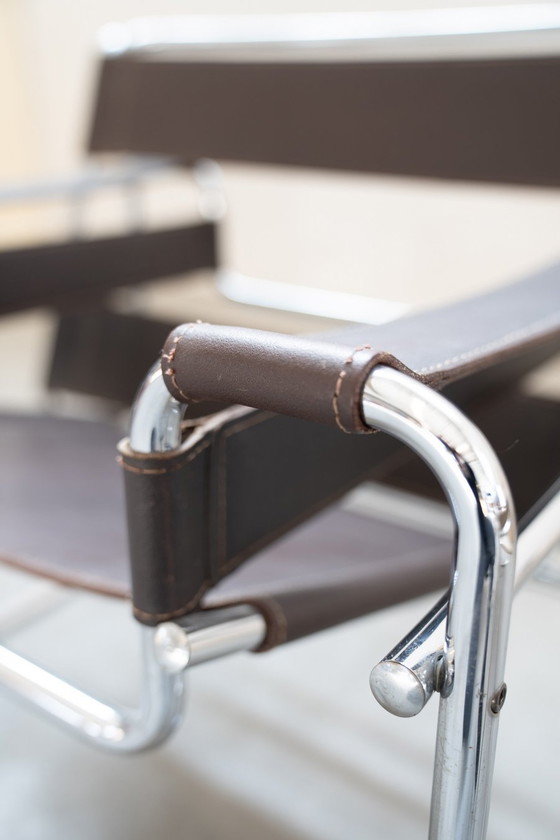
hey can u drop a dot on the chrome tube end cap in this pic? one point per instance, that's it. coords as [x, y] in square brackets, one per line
[397, 689]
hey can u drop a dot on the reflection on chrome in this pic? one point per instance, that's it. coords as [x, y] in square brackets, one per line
[471, 669]
[421, 650]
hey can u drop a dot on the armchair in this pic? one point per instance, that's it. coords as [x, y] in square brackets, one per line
[207, 499]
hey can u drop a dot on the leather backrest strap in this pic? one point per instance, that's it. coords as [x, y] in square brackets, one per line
[473, 119]
[89, 341]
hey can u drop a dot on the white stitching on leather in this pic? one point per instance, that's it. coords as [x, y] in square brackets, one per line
[171, 356]
[526, 332]
[338, 388]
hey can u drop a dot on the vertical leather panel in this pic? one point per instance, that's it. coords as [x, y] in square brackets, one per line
[277, 471]
[244, 480]
[168, 525]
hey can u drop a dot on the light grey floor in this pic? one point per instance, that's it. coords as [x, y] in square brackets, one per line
[287, 746]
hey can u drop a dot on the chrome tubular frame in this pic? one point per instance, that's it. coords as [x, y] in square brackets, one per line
[466, 665]
[395, 35]
[406, 678]
[93, 177]
[155, 423]
[167, 649]
[471, 670]
[119, 730]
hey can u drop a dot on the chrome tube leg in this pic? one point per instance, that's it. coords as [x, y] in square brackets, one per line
[471, 671]
[406, 678]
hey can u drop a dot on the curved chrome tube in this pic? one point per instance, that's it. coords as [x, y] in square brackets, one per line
[406, 678]
[113, 728]
[156, 426]
[155, 423]
[472, 666]
[167, 649]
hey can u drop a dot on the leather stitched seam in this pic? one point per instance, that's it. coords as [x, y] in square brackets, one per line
[171, 373]
[138, 470]
[338, 388]
[192, 602]
[170, 356]
[186, 459]
[509, 338]
[81, 580]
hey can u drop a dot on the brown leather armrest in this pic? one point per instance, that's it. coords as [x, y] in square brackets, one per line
[323, 381]
[246, 477]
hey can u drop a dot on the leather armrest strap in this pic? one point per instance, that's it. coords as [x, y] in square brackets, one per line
[69, 273]
[322, 380]
[243, 478]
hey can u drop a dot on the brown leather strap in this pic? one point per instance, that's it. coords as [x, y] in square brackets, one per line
[62, 515]
[71, 273]
[87, 344]
[339, 566]
[240, 481]
[485, 120]
[323, 382]
[244, 478]
[315, 380]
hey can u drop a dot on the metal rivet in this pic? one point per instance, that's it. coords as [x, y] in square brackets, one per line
[498, 699]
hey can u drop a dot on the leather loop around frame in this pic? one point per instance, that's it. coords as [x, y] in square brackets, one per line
[313, 380]
[239, 482]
